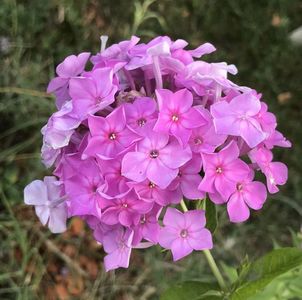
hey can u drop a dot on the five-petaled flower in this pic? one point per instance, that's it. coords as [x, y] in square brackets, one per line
[176, 114]
[184, 232]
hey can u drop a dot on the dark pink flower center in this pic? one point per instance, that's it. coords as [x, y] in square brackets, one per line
[152, 185]
[218, 170]
[143, 220]
[198, 141]
[98, 99]
[112, 136]
[175, 118]
[94, 188]
[239, 187]
[184, 233]
[154, 153]
[124, 205]
[141, 122]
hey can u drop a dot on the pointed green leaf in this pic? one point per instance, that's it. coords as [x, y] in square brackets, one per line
[192, 290]
[211, 215]
[265, 269]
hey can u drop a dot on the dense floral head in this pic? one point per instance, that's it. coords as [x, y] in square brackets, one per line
[148, 128]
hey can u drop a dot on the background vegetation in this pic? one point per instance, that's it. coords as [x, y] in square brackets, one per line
[35, 36]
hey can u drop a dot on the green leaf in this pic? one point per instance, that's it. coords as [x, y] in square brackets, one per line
[192, 290]
[230, 272]
[265, 269]
[211, 215]
[287, 286]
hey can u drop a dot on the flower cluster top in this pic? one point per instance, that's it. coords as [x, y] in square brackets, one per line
[148, 128]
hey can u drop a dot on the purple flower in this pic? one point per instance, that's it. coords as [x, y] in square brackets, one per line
[238, 118]
[92, 93]
[276, 172]
[184, 232]
[125, 210]
[71, 66]
[156, 155]
[205, 78]
[117, 243]
[60, 127]
[115, 183]
[49, 204]
[188, 178]
[248, 194]
[148, 227]
[149, 191]
[266, 119]
[110, 136]
[176, 114]
[140, 113]
[82, 189]
[204, 138]
[49, 155]
[115, 54]
[222, 171]
[276, 138]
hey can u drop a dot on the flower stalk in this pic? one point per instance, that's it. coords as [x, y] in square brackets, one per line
[210, 259]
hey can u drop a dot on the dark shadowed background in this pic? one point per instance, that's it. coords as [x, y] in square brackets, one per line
[37, 35]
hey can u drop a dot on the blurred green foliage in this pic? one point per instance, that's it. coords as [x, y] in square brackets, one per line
[36, 35]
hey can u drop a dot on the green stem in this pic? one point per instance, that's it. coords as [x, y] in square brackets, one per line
[209, 257]
[215, 269]
[183, 205]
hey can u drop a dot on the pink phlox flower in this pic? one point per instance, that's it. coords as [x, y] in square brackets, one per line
[186, 56]
[266, 119]
[276, 172]
[248, 194]
[92, 93]
[139, 113]
[110, 136]
[49, 155]
[117, 244]
[60, 127]
[202, 77]
[155, 155]
[204, 138]
[117, 54]
[71, 66]
[176, 114]
[238, 118]
[155, 58]
[141, 54]
[222, 172]
[82, 188]
[100, 229]
[68, 166]
[71, 155]
[49, 203]
[184, 232]
[92, 221]
[148, 227]
[125, 210]
[149, 191]
[276, 138]
[188, 179]
[116, 184]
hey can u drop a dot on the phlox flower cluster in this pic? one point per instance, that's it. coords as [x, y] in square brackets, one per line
[141, 128]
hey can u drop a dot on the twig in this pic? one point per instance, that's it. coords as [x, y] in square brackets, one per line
[21, 91]
[151, 290]
[69, 262]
